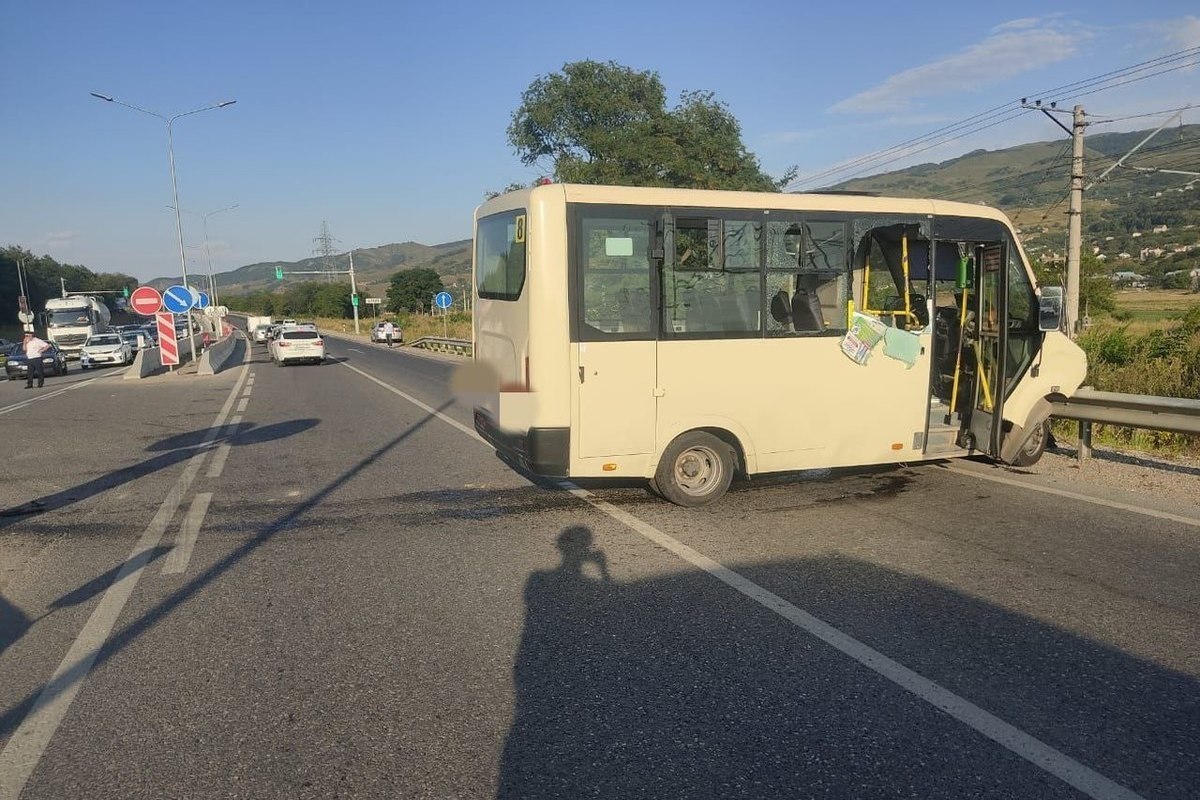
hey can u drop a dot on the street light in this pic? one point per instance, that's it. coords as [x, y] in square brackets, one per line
[174, 183]
[212, 283]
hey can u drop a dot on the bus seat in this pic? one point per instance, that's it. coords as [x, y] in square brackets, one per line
[806, 312]
[781, 308]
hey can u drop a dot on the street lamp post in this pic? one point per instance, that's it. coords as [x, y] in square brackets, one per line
[174, 183]
[212, 281]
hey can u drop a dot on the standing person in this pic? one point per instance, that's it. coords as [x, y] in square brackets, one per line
[34, 347]
[389, 330]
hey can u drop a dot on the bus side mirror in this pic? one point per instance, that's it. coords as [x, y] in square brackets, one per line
[1050, 308]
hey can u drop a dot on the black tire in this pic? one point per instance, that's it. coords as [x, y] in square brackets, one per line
[1033, 446]
[695, 469]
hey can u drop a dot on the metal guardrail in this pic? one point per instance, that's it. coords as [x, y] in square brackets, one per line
[1088, 406]
[460, 347]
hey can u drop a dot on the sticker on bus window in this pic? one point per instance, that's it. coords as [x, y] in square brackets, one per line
[618, 246]
[519, 234]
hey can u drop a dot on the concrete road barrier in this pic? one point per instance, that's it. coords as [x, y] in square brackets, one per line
[219, 356]
[145, 363]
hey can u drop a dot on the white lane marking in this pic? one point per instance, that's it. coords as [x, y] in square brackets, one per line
[177, 560]
[354, 349]
[47, 395]
[1100, 501]
[1035, 751]
[242, 403]
[218, 460]
[430, 409]
[23, 751]
[1008, 736]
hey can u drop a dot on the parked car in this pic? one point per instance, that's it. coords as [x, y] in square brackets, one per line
[5, 346]
[105, 348]
[377, 334]
[297, 344]
[54, 362]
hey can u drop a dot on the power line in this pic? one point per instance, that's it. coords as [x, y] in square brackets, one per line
[997, 115]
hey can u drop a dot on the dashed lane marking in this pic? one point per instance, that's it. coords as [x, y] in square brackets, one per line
[177, 560]
[218, 462]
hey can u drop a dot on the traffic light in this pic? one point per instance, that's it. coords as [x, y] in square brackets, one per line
[278, 273]
[125, 291]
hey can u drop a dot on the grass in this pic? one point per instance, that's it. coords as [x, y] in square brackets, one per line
[1152, 309]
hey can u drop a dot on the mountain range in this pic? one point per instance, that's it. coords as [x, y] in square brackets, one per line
[373, 267]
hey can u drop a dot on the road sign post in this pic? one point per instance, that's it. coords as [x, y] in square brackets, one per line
[168, 345]
[179, 299]
[146, 301]
[443, 300]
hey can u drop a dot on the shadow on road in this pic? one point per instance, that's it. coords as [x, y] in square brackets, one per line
[12, 717]
[678, 686]
[174, 450]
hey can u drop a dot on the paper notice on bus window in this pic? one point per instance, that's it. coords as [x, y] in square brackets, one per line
[865, 332]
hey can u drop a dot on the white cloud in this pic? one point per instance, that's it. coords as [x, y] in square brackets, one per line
[57, 241]
[1015, 47]
[1184, 33]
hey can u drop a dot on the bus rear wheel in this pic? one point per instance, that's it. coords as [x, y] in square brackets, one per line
[695, 469]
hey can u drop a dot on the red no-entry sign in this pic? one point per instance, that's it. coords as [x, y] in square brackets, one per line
[145, 300]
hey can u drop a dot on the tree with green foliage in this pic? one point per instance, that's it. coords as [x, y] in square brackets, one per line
[45, 278]
[413, 289]
[606, 123]
[1096, 292]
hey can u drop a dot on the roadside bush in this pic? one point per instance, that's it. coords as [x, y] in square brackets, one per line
[1164, 363]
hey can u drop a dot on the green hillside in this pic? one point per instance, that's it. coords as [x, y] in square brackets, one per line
[1123, 216]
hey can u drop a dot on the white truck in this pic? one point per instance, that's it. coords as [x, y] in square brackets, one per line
[72, 319]
[252, 323]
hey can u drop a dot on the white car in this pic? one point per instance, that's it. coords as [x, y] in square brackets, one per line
[105, 348]
[377, 334]
[297, 344]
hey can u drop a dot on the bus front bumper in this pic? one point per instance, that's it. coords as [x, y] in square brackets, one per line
[543, 451]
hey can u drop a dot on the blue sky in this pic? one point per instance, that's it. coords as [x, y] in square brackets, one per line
[388, 119]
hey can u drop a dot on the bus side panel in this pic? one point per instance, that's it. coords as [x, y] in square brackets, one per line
[801, 401]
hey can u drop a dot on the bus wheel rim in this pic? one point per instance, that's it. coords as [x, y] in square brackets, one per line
[698, 470]
[1034, 441]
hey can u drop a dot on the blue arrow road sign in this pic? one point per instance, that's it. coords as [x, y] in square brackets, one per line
[203, 300]
[443, 299]
[177, 299]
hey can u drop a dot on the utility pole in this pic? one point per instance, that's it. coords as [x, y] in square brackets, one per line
[353, 292]
[1075, 222]
[1075, 208]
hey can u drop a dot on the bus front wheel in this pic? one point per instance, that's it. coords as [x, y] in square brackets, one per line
[1033, 447]
[695, 469]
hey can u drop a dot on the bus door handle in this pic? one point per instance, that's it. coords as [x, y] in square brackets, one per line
[581, 371]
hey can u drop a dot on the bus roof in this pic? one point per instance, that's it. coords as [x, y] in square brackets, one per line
[718, 198]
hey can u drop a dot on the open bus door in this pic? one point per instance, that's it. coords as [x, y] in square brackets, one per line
[987, 341]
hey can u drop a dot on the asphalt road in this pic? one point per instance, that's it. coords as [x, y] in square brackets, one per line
[316, 582]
